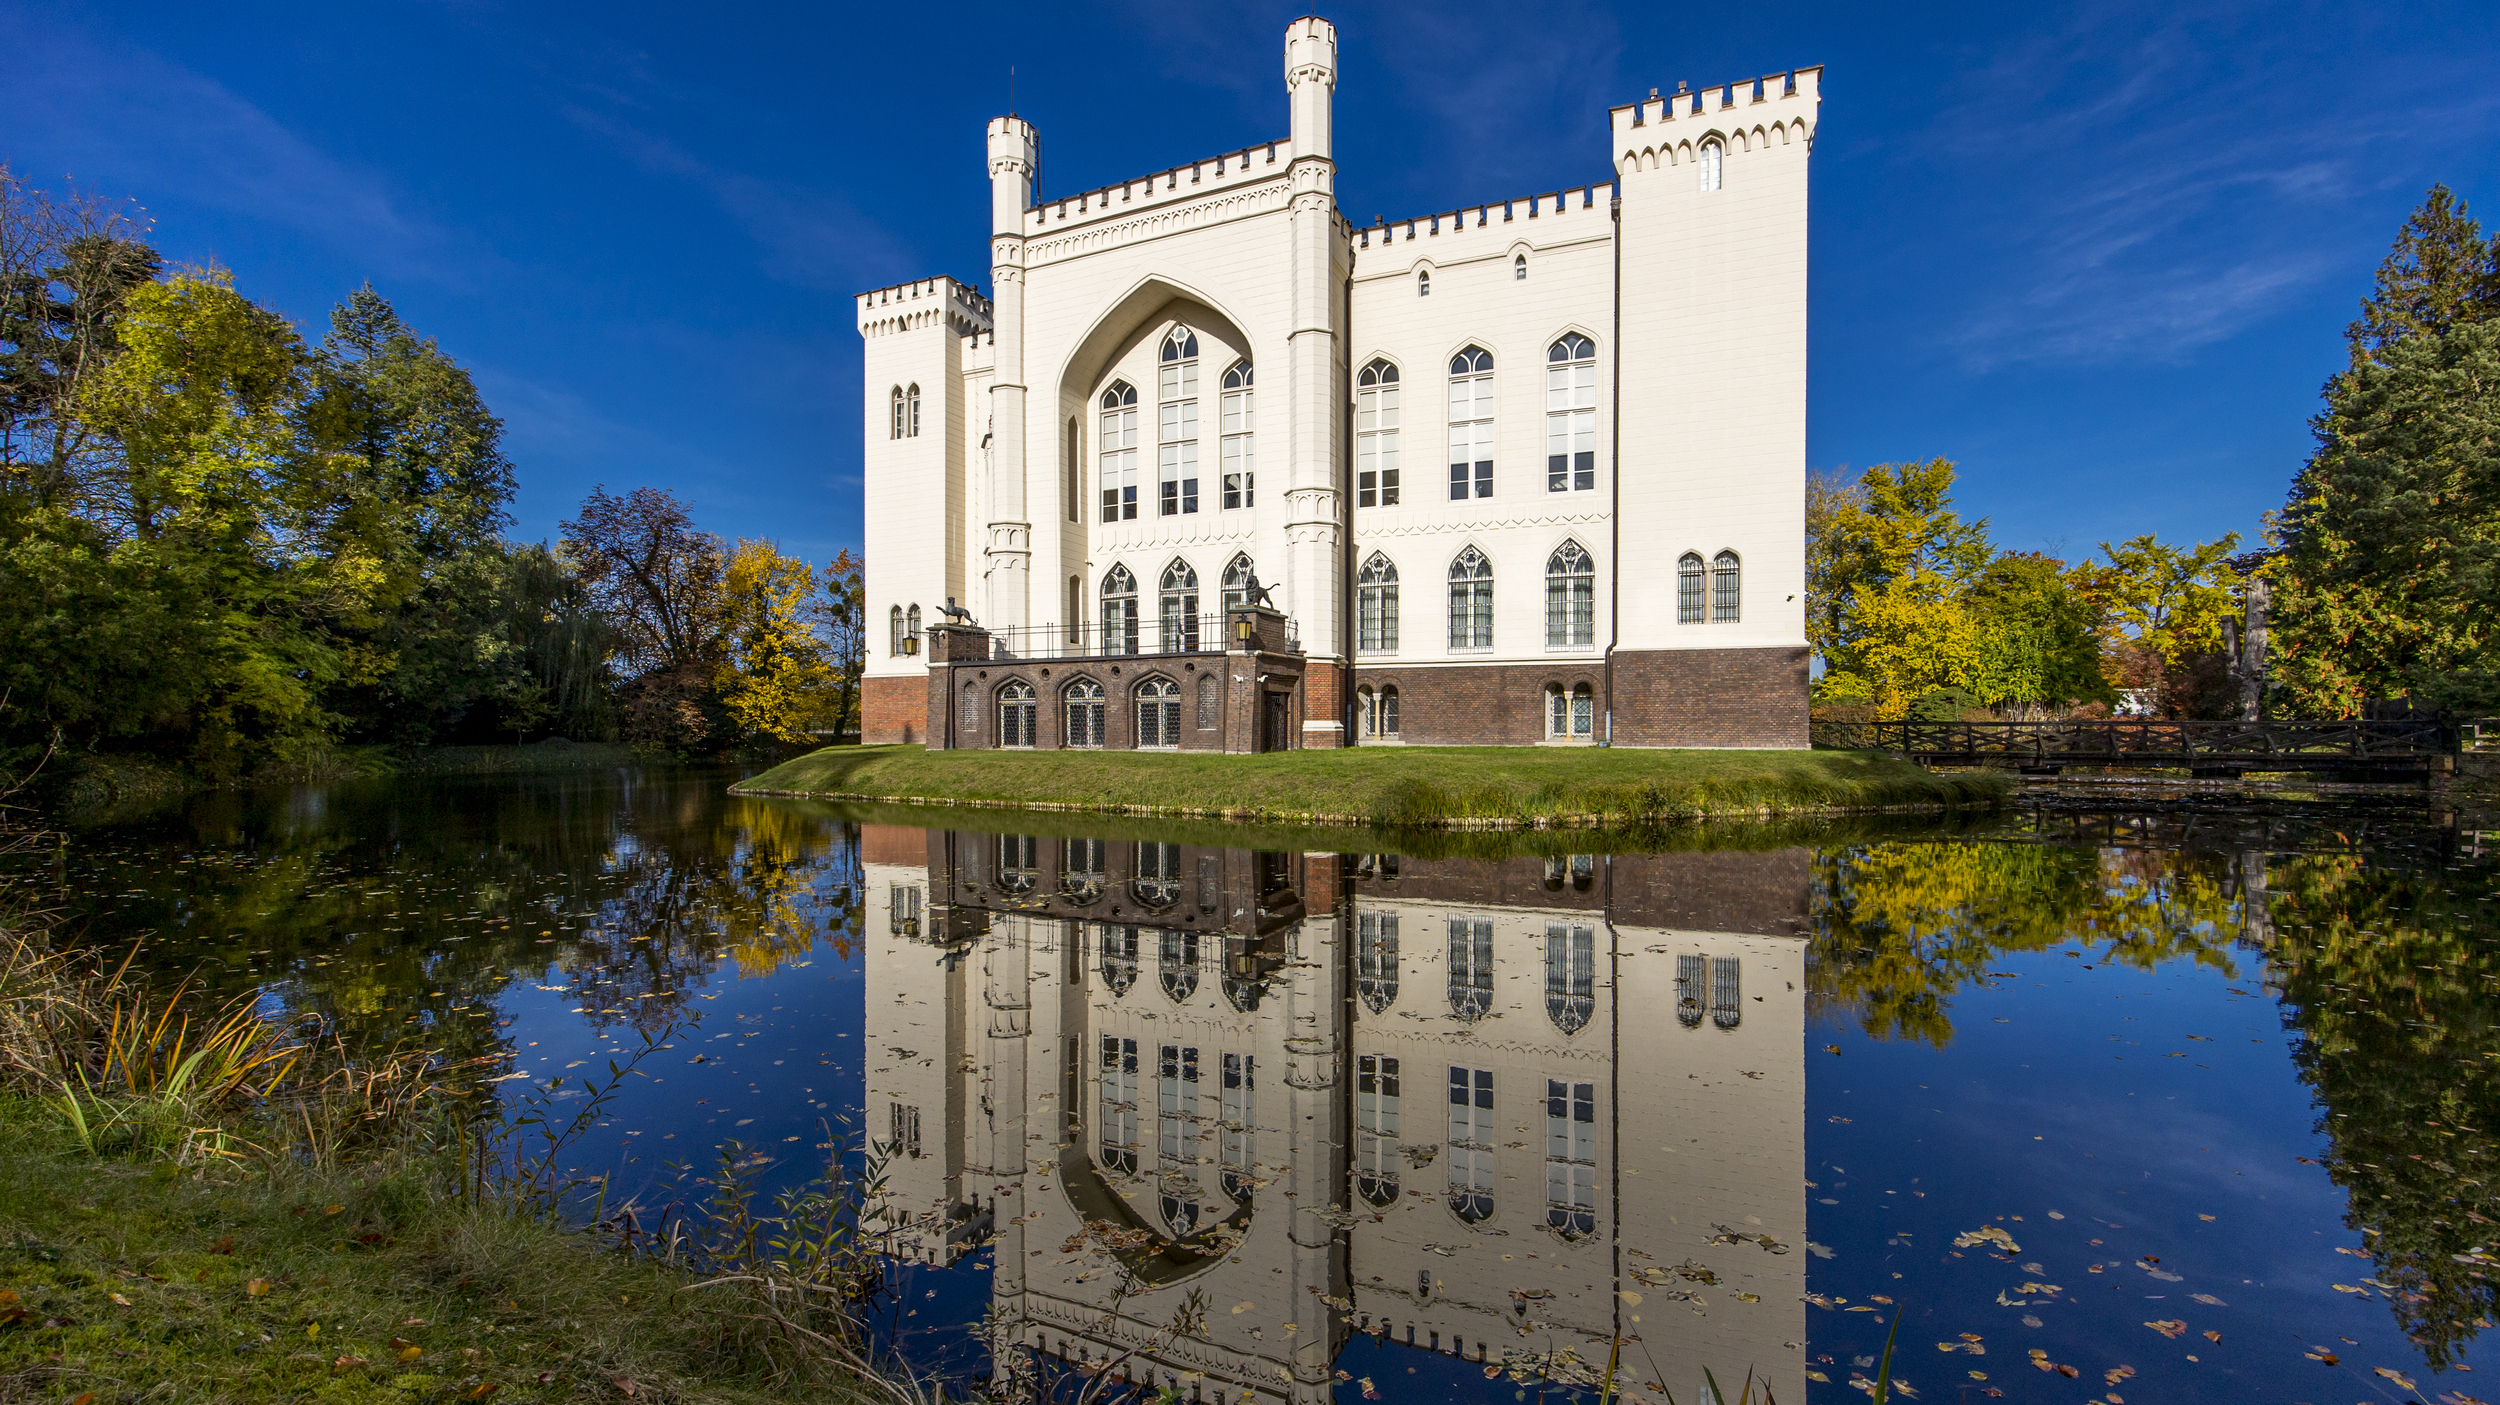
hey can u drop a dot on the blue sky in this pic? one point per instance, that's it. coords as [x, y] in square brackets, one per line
[2099, 255]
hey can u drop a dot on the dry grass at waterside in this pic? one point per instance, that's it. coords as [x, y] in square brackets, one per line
[200, 1203]
[1394, 787]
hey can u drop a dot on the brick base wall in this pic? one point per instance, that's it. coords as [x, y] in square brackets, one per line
[1323, 701]
[893, 710]
[1479, 704]
[1711, 698]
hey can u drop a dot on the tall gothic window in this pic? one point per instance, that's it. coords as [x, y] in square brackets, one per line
[1570, 975]
[1119, 452]
[1471, 601]
[1376, 606]
[1570, 598]
[911, 630]
[1376, 960]
[1691, 989]
[1471, 424]
[1084, 709]
[895, 414]
[1726, 997]
[1176, 963]
[1471, 1141]
[1688, 588]
[1237, 574]
[1179, 601]
[1239, 446]
[1570, 1157]
[1726, 588]
[1119, 957]
[1119, 611]
[1016, 713]
[1210, 701]
[1571, 415]
[1519, 267]
[1471, 967]
[1376, 436]
[1712, 154]
[1376, 1158]
[1423, 283]
[1019, 863]
[1115, 1122]
[894, 631]
[1081, 875]
[911, 411]
[1158, 880]
[1240, 1109]
[1176, 1141]
[1177, 439]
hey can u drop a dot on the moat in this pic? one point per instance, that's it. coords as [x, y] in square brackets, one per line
[2161, 1103]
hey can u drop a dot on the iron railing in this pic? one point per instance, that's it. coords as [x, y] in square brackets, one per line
[1169, 634]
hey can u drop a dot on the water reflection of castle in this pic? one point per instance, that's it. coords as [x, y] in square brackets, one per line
[1492, 1105]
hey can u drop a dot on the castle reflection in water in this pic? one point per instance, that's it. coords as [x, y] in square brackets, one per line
[1474, 1107]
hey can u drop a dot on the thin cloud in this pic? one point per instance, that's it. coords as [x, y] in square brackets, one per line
[808, 238]
[136, 124]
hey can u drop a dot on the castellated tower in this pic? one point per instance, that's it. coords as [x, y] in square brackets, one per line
[1214, 469]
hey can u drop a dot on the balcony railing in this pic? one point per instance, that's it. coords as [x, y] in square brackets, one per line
[1170, 634]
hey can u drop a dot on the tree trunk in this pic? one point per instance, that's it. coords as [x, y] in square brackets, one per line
[2251, 664]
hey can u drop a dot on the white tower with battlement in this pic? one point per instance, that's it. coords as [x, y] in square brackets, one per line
[1526, 471]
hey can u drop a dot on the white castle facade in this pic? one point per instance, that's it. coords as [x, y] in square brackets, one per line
[1520, 472]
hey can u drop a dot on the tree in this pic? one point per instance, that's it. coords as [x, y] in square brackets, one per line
[2047, 632]
[67, 268]
[654, 573]
[774, 678]
[1835, 556]
[2389, 581]
[842, 617]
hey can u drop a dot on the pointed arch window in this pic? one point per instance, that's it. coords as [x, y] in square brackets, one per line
[1692, 988]
[1179, 613]
[1376, 606]
[1376, 1157]
[1176, 1142]
[1119, 611]
[1118, 956]
[911, 630]
[1388, 711]
[894, 630]
[1727, 592]
[1423, 283]
[1471, 424]
[1570, 1157]
[1570, 975]
[1081, 875]
[1237, 574]
[1158, 880]
[1176, 963]
[1240, 1112]
[1471, 601]
[1176, 397]
[894, 414]
[1116, 1118]
[1210, 701]
[1519, 268]
[1158, 714]
[1727, 1008]
[1240, 467]
[1118, 452]
[1570, 598]
[1084, 709]
[1688, 588]
[1471, 967]
[911, 411]
[1376, 960]
[1017, 714]
[1713, 154]
[1019, 863]
[1471, 1139]
[1571, 415]
[1376, 436]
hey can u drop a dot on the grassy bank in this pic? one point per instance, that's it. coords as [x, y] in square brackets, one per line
[140, 1280]
[1420, 787]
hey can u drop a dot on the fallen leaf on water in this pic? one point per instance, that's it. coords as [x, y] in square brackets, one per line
[2394, 1375]
[2207, 1299]
[1831, 1048]
[2169, 1327]
[1369, 1392]
[1240, 1308]
[1987, 1234]
[2347, 1288]
[2204, 1217]
[2115, 1374]
[2321, 1354]
[2213, 1336]
[2068, 1372]
[1814, 1375]
[1749, 1297]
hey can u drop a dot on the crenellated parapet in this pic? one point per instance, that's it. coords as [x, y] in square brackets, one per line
[1751, 114]
[1225, 171]
[1568, 209]
[923, 302]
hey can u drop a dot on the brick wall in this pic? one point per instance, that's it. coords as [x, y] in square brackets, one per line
[893, 710]
[1711, 697]
[1226, 721]
[1481, 704]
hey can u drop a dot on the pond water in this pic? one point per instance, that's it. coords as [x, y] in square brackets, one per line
[2156, 1104]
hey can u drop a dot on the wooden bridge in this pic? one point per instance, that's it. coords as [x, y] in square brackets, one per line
[2410, 748]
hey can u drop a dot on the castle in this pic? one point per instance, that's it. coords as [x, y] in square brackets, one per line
[1163, 471]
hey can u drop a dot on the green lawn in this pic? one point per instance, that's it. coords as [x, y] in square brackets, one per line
[1452, 787]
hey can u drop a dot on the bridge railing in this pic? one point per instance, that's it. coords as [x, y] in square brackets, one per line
[2152, 741]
